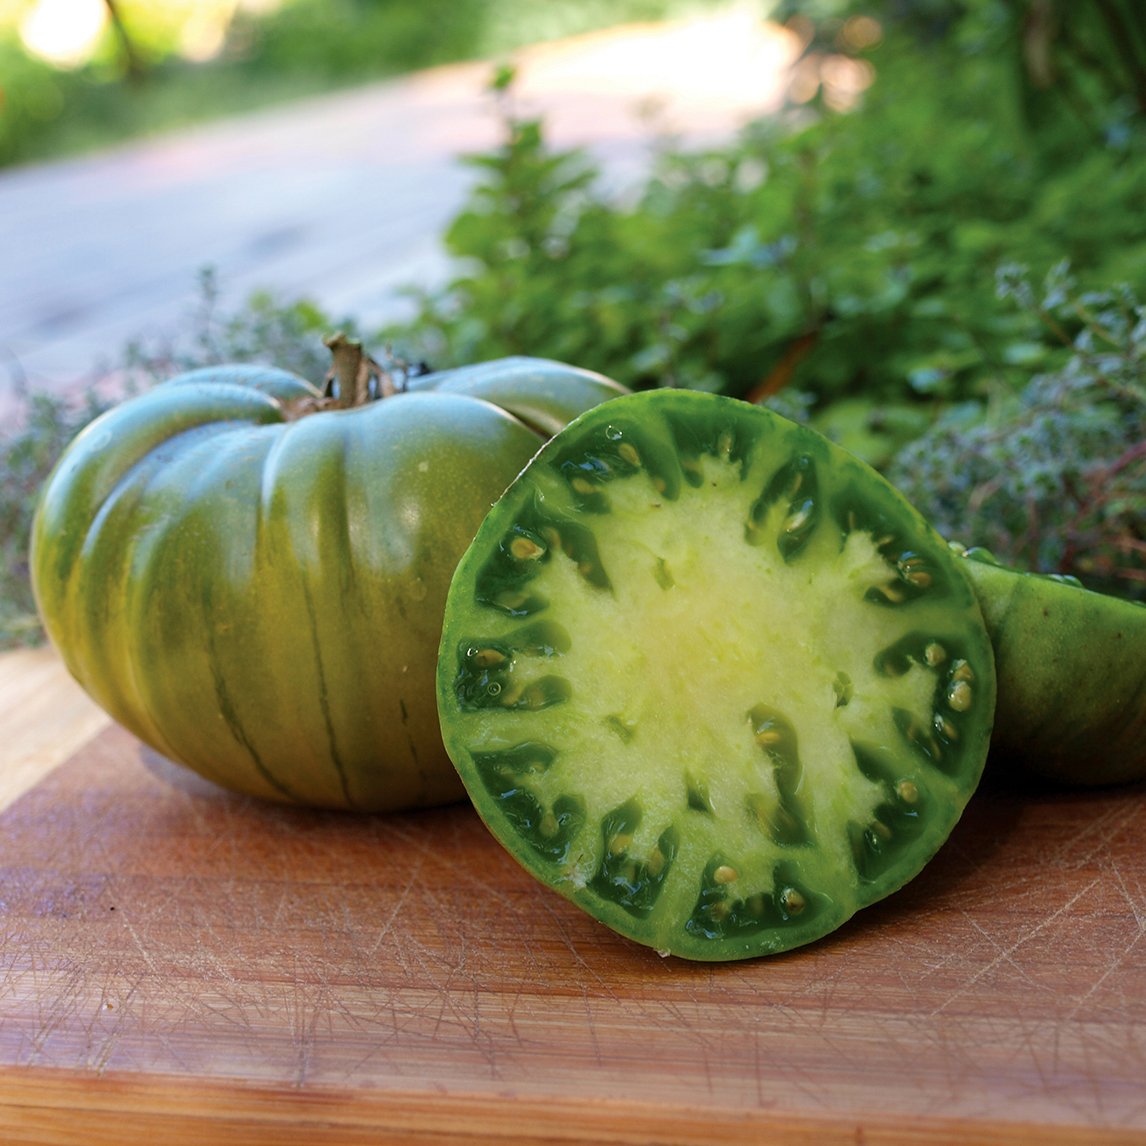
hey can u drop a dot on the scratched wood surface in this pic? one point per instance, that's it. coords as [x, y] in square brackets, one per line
[175, 959]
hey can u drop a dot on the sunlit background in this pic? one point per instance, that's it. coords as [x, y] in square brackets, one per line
[76, 74]
[69, 33]
[79, 74]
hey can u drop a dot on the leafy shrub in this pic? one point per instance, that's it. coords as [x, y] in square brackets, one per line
[848, 254]
[1053, 478]
[288, 333]
[27, 455]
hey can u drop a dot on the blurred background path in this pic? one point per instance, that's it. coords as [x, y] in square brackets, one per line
[340, 199]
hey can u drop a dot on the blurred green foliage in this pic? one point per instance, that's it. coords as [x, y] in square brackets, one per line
[137, 83]
[27, 455]
[846, 254]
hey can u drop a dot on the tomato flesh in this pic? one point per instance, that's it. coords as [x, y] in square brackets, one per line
[712, 678]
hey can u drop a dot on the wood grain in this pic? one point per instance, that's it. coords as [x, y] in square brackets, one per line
[177, 959]
[45, 716]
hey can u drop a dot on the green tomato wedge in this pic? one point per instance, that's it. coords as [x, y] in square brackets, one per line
[712, 678]
[1071, 665]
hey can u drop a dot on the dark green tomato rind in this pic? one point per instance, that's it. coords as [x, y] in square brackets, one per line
[260, 598]
[671, 431]
[1071, 668]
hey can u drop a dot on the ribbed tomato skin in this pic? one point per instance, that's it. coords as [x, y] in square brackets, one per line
[260, 596]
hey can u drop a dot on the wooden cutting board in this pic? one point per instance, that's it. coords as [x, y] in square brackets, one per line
[179, 961]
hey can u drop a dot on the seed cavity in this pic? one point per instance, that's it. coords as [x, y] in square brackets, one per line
[913, 569]
[690, 468]
[586, 474]
[623, 729]
[662, 574]
[920, 736]
[486, 658]
[488, 678]
[777, 818]
[507, 775]
[897, 820]
[799, 517]
[525, 759]
[719, 913]
[866, 852]
[579, 544]
[945, 728]
[843, 689]
[792, 901]
[794, 487]
[627, 880]
[696, 794]
[525, 548]
[540, 639]
[483, 672]
[518, 602]
[908, 792]
[915, 648]
[897, 823]
[503, 582]
[783, 816]
[890, 593]
[959, 696]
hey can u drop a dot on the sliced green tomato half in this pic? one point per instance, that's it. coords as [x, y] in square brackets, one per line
[712, 678]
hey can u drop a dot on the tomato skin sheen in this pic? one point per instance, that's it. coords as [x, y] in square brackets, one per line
[1072, 676]
[259, 595]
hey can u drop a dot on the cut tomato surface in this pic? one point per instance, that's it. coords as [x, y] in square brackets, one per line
[712, 678]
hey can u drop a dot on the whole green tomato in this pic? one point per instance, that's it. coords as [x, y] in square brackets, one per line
[254, 584]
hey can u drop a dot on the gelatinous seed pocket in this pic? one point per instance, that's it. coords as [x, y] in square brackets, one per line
[711, 678]
[793, 489]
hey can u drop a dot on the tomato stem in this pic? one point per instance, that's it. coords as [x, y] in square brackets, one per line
[352, 370]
